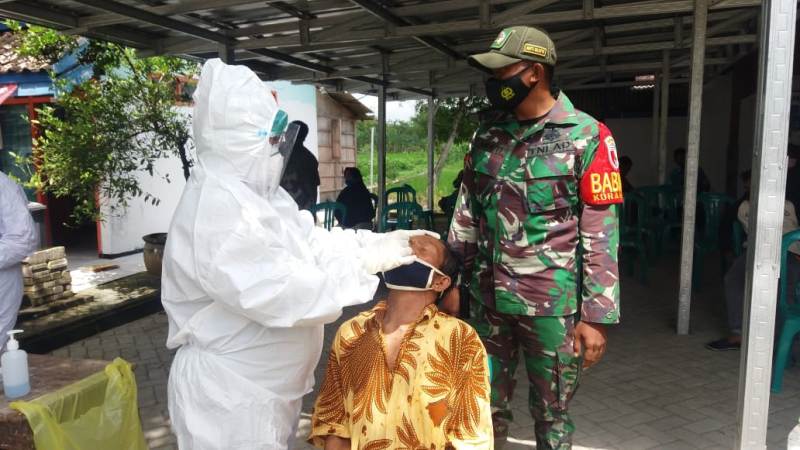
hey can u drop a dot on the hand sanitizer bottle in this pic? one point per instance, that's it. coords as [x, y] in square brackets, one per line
[14, 363]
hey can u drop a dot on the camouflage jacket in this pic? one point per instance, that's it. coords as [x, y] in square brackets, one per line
[537, 198]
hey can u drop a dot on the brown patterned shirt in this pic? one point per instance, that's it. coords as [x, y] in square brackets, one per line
[437, 396]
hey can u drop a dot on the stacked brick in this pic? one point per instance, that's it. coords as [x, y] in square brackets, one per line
[48, 283]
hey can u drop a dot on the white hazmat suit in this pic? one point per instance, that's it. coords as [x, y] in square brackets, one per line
[17, 241]
[248, 280]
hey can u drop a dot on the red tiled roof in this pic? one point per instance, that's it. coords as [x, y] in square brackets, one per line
[11, 61]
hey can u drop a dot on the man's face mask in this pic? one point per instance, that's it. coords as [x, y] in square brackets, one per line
[509, 93]
[417, 276]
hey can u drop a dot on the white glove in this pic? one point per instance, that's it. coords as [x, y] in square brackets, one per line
[387, 251]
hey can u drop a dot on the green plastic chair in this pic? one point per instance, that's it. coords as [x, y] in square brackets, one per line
[631, 238]
[672, 202]
[403, 194]
[426, 215]
[649, 218]
[788, 316]
[330, 209]
[713, 205]
[405, 215]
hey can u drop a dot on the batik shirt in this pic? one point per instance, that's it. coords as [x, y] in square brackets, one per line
[535, 196]
[437, 396]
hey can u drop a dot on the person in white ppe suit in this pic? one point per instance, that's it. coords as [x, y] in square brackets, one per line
[248, 280]
[17, 241]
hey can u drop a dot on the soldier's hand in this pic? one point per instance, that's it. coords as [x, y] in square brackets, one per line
[591, 338]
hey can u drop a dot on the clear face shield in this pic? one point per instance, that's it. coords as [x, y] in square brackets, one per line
[265, 175]
[286, 143]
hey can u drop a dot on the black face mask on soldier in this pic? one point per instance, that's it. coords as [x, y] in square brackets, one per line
[509, 93]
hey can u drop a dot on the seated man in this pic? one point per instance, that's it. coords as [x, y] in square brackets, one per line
[405, 375]
[734, 280]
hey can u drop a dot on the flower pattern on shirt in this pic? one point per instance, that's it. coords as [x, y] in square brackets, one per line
[408, 436]
[458, 378]
[436, 396]
[364, 371]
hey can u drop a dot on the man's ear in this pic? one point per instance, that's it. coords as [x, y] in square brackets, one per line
[536, 73]
[441, 283]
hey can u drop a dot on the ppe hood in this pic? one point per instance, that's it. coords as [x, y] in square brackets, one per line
[233, 121]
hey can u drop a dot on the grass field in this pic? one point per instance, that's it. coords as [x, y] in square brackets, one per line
[411, 168]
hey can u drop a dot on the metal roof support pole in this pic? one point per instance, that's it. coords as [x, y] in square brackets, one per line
[382, 145]
[664, 118]
[226, 54]
[431, 181]
[773, 100]
[656, 119]
[691, 165]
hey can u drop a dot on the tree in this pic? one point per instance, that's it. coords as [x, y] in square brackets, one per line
[104, 130]
[449, 118]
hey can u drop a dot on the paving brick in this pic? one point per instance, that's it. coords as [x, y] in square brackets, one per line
[653, 389]
[639, 442]
[662, 437]
[705, 425]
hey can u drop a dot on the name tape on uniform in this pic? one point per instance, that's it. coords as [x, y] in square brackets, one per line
[535, 50]
[601, 184]
[550, 148]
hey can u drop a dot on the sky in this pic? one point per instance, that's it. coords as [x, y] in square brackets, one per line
[395, 111]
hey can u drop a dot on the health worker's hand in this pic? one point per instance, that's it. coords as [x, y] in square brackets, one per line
[591, 338]
[387, 251]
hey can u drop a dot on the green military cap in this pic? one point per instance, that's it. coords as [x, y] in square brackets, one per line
[516, 44]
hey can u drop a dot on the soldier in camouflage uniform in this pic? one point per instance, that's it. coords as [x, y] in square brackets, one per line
[536, 226]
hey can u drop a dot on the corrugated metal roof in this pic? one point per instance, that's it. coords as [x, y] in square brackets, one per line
[348, 101]
[414, 47]
[11, 62]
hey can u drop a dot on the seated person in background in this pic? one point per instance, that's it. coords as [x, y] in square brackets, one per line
[625, 166]
[734, 279]
[405, 375]
[448, 204]
[729, 218]
[678, 174]
[793, 176]
[358, 201]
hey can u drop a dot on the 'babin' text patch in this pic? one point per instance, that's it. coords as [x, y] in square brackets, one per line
[601, 184]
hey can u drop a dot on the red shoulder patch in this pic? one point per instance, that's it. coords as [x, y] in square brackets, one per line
[601, 183]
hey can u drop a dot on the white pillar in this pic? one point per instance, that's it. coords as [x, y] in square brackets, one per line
[773, 100]
[664, 119]
[692, 156]
[431, 181]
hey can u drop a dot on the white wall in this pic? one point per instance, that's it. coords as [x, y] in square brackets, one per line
[123, 233]
[714, 134]
[747, 123]
[300, 103]
[634, 139]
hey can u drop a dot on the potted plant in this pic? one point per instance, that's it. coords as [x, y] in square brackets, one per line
[154, 252]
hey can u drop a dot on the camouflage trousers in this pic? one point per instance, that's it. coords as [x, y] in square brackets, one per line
[553, 370]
